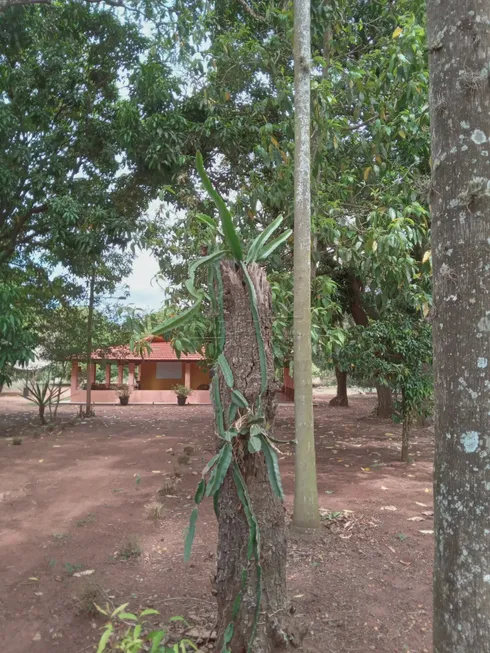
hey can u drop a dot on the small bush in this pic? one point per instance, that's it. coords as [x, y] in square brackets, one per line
[188, 450]
[169, 486]
[16, 440]
[183, 459]
[153, 510]
[130, 548]
[89, 596]
[177, 473]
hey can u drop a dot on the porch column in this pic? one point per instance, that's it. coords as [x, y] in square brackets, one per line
[120, 368]
[131, 375]
[74, 377]
[187, 375]
[93, 370]
[108, 374]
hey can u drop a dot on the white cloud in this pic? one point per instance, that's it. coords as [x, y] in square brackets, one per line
[145, 291]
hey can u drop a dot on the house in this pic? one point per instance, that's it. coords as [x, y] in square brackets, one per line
[151, 376]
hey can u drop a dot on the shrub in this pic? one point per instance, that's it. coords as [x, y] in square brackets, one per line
[130, 548]
[153, 510]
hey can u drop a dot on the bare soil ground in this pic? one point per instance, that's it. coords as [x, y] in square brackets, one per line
[70, 499]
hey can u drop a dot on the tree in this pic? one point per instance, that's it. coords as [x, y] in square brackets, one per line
[243, 477]
[306, 513]
[17, 341]
[458, 41]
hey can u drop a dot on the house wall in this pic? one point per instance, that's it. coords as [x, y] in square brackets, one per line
[199, 376]
[148, 380]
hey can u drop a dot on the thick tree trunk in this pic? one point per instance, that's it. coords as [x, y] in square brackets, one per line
[459, 46]
[384, 408]
[340, 398]
[242, 353]
[41, 410]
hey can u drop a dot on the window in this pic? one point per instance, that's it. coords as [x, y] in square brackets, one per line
[169, 371]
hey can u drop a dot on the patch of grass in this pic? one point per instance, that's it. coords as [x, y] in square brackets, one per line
[89, 519]
[88, 596]
[169, 486]
[16, 440]
[188, 450]
[130, 548]
[177, 473]
[72, 568]
[183, 459]
[62, 537]
[153, 510]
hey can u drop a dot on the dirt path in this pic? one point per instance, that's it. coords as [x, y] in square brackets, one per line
[70, 500]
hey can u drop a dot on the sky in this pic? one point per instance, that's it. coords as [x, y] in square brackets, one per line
[145, 293]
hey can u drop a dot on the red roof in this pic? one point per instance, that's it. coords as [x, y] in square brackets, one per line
[160, 351]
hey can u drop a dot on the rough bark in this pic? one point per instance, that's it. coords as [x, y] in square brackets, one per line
[306, 514]
[459, 46]
[241, 352]
[340, 398]
[384, 407]
[407, 422]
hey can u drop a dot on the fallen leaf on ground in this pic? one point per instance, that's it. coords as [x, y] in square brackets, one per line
[298, 596]
[33, 578]
[37, 637]
[417, 518]
[427, 532]
[383, 487]
[390, 508]
[429, 513]
[391, 549]
[423, 505]
[366, 469]
[42, 460]
[87, 572]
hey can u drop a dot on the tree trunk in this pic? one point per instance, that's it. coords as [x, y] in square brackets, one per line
[90, 319]
[459, 43]
[406, 424]
[340, 398]
[384, 408]
[41, 414]
[306, 513]
[242, 353]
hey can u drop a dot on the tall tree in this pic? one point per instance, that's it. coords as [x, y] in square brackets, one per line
[306, 513]
[459, 42]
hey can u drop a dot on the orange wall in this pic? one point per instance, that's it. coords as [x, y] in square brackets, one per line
[148, 380]
[199, 376]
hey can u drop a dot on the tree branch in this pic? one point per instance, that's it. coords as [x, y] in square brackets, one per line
[250, 11]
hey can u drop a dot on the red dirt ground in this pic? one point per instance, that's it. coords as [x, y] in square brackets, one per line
[68, 500]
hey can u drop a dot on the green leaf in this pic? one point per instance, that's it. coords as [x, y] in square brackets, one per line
[258, 332]
[148, 612]
[219, 472]
[210, 464]
[128, 615]
[239, 399]
[207, 220]
[189, 284]
[230, 235]
[228, 636]
[232, 411]
[201, 489]
[254, 444]
[177, 321]
[156, 637]
[226, 370]
[105, 638]
[191, 531]
[268, 249]
[261, 239]
[272, 468]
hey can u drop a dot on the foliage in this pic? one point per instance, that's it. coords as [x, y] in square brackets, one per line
[45, 394]
[396, 351]
[182, 390]
[16, 340]
[123, 391]
[130, 633]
